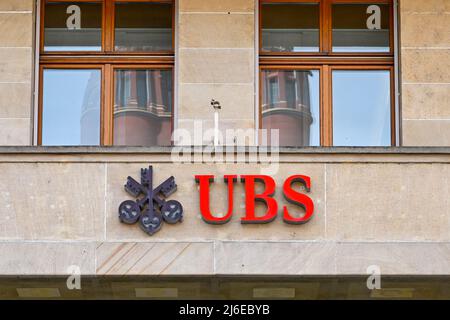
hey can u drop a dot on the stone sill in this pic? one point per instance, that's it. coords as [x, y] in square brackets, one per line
[163, 155]
[35, 150]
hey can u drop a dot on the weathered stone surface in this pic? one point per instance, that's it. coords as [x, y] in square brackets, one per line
[393, 258]
[420, 6]
[15, 64]
[231, 258]
[216, 66]
[425, 61]
[413, 28]
[239, 132]
[426, 66]
[426, 101]
[432, 133]
[52, 201]
[154, 258]
[330, 258]
[38, 258]
[217, 5]
[388, 202]
[283, 258]
[15, 132]
[16, 5]
[195, 100]
[16, 37]
[15, 100]
[217, 30]
[17, 29]
[216, 61]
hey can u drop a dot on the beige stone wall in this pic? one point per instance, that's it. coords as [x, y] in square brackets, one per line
[425, 76]
[216, 60]
[16, 55]
[390, 210]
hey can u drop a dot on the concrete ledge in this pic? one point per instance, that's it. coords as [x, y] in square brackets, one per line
[224, 258]
[168, 150]
[204, 155]
[331, 258]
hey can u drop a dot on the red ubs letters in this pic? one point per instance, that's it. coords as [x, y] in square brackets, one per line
[251, 197]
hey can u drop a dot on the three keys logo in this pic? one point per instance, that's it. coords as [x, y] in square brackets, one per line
[151, 210]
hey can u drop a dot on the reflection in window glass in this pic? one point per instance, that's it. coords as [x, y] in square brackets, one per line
[143, 27]
[143, 107]
[73, 26]
[361, 108]
[288, 27]
[71, 107]
[291, 105]
[361, 27]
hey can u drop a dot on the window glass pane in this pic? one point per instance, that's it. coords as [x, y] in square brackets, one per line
[71, 107]
[291, 104]
[289, 27]
[361, 108]
[143, 107]
[73, 26]
[143, 27]
[361, 27]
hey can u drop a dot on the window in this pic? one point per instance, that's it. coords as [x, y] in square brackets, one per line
[143, 27]
[360, 27]
[290, 105]
[72, 107]
[142, 107]
[290, 27]
[327, 72]
[106, 72]
[361, 118]
[62, 33]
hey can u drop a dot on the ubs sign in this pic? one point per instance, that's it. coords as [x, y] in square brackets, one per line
[251, 197]
[151, 209]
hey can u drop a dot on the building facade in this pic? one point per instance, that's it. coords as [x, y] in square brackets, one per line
[357, 92]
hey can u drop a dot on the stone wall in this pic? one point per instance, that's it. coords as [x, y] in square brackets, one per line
[16, 66]
[425, 65]
[390, 209]
[216, 55]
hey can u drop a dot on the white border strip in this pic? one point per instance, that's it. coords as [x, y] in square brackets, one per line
[35, 92]
[176, 76]
[256, 92]
[397, 85]
[16, 12]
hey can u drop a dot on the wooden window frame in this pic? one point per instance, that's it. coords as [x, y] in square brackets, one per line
[106, 60]
[108, 28]
[326, 61]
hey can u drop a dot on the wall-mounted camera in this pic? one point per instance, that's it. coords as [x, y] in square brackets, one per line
[216, 105]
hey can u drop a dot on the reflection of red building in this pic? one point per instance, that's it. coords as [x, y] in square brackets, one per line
[143, 108]
[287, 106]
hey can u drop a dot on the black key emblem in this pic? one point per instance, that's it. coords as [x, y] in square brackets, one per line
[151, 209]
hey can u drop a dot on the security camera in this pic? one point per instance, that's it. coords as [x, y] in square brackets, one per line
[216, 105]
